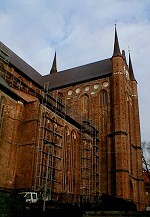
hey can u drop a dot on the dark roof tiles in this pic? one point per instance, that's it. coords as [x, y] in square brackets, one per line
[63, 78]
[22, 65]
[79, 74]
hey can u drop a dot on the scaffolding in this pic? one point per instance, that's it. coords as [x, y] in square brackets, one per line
[86, 163]
[12, 79]
[49, 153]
[4, 58]
[89, 159]
[49, 156]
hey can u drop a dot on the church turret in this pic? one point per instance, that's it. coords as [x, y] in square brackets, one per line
[119, 134]
[124, 56]
[116, 45]
[131, 73]
[136, 140]
[125, 158]
[54, 65]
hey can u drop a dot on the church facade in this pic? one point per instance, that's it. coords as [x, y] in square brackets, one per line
[71, 133]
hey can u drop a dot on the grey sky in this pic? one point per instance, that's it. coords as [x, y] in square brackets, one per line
[81, 31]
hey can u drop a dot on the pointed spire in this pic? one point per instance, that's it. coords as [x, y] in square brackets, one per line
[54, 65]
[116, 45]
[131, 73]
[124, 56]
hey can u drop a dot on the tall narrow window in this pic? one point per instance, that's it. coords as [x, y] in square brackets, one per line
[54, 129]
[46, 124]
[60, 101]
[85, 104]
[103, 113]
[103, 98]
[72, 161]
[66, 158]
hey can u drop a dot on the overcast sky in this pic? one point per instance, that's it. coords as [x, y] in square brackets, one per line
[81, 32]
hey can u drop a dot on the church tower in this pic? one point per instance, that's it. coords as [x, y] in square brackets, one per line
[126, 165]
[119, 169]
[136, 151]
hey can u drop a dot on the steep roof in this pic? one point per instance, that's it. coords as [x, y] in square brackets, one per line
[79, 74]
[20, 64]
[63, 78]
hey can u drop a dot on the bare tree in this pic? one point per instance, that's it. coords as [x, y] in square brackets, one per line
[146, 157]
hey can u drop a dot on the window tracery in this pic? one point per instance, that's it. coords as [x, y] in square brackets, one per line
[103, 98]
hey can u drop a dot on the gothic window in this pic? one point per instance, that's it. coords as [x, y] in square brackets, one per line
[72, 160]
[54, 130]
[103, 98]
[45, 123]
[66, 158]
[60, 101]
[103, 111]
[85, 104]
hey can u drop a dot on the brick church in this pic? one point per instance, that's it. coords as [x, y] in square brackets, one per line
[71, 133]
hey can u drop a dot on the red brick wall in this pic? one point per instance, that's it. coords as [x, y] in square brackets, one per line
[8, 145]
[118, 148]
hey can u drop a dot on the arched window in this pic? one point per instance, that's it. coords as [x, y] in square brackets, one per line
[103, 98]
[85, 104]
[54, 130]
[66, 158]
[103, 113]
[60, 101]
[46, 125]
[72, 161]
